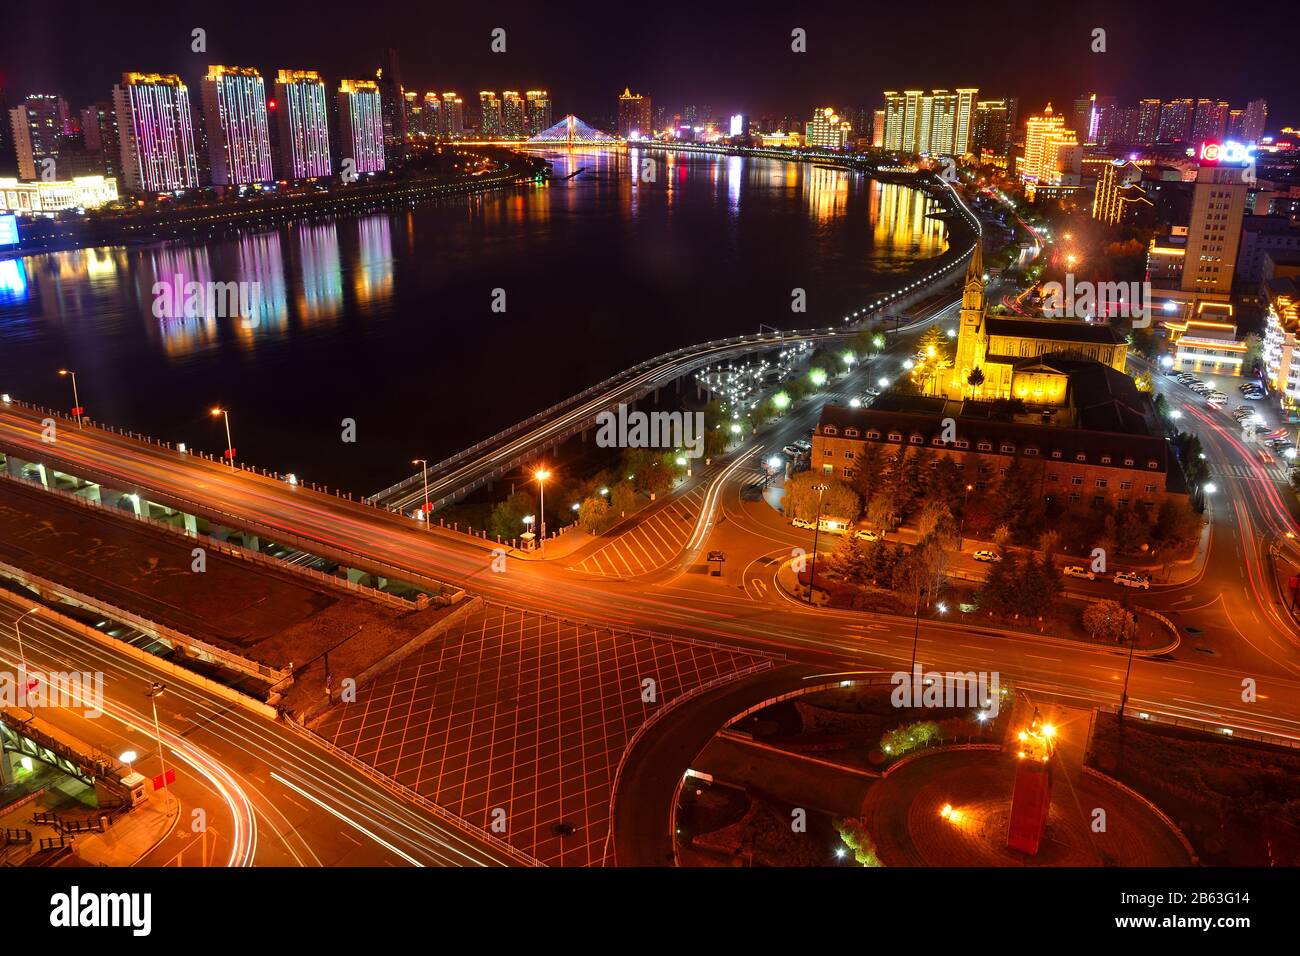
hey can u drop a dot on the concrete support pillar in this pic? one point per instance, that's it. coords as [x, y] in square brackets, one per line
[14, 466]
[8, 768]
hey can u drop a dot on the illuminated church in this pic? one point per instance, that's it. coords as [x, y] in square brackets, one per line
[1022, 358]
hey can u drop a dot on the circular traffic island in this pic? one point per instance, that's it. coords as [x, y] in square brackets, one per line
[952, 807]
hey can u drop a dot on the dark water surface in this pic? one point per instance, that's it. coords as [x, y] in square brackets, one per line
[386, 318]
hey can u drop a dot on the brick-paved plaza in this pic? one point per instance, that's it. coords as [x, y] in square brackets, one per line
[527, 714]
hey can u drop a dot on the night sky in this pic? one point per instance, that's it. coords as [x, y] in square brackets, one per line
[733, 57]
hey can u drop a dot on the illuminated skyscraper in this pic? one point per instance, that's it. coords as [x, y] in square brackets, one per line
[1218, 206]
[361, 125]
[239, 139]
[1254, 122]
[826, 130]
[537, 104]
[1210, 121]
[512, 115]
[1046, 137]
[156, 129]
[634, 115]
[994, 125]
[1148, 128]
[99, 127]
[452, 121]
[489, 108]
[432, 114]
[40, 125]
[393, 106]
[303, 111]
[940, 122]
[1176, 121]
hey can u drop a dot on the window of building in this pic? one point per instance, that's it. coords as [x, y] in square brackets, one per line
[1074, 497]
[1007, 448]
[1150, 488]
[873, 434]
[1031, 451]
[828, 452]
[828, 468]
[1126, 486]
[830, 430]
[1153, 464]
[1056, 454]
[1123, 502]
[848, 455]
[1105, 459]
[918, 439]
[848, 472]
[1098, 501]
[1128, 462]
[985, 446]
[1080, 457]
[895, 436]
[851, 433]
[963, 443]
[1102, 482]
[1076, 479]
[1052, 478]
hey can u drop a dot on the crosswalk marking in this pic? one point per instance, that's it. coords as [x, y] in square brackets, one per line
[653, 543]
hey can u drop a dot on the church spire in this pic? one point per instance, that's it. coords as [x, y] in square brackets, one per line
[972, 290]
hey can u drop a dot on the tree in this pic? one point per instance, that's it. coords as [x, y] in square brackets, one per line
[975, 380]
[1144, 382]
[1001, 536]
[853, 831]
[848, 563]
[1177, 523]
[838, 501]
[1254, 355]
[1047, 542]
[1109, 620]
[622, 498]
[882, 512]
[594, 515]
[507, 518]
[909, 737]
[868, 470]
[933, 344]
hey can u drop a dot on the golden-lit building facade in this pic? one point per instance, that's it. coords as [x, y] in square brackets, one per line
[1013, 354]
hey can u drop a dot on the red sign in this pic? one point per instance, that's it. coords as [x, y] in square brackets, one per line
[159, 783]
[78, 412]
[228, 453]
[427, 507]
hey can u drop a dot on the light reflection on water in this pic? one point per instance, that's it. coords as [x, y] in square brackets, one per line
[385, 316]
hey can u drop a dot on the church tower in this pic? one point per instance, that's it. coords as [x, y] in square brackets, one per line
[970, 351]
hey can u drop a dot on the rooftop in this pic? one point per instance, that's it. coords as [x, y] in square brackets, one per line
[1060, 330]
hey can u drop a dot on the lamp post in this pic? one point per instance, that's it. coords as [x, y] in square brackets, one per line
[961, 528]
[424, 467]
[22, 655]
[817, 530]
[541, 474]
[916, 629]
[1128, 668]
[76, 402]
[155, 691]
[230, 446]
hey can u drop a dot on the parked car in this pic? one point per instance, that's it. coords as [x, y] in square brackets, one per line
[802, 444]
[803, 523]
[1075, 571]
[1131, 579]
[1254, 396]
[866, 534]
[986, 556]
[790, 451]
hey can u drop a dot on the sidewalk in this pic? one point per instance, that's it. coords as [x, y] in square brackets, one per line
[131, 839]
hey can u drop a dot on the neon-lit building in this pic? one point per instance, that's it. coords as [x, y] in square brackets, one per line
[156, 129]
[826, 130]
[634, 115]
[936, 123]
[451, 123]
[303, 117]
[1051, 151]
[512, 115]
[361, 125]
[1282, 335]
[489, 110]
[239, 137]
[537, 106]
[36, 197]
[1208, 341]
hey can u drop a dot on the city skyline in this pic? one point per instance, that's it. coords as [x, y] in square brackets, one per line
[583, 71]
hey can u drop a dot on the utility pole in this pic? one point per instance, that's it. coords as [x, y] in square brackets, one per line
[817, 530]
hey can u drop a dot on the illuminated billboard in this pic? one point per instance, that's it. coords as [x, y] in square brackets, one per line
[1228, 151]
[8, 230]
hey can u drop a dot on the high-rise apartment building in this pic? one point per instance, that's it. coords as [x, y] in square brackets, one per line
[432, 114]
[826, 130]
[634, 115]
[512, 114]
[156, 128]
[1176, 121]
[1049, 149]
[451, 124]
[40, 125]
[304, 120]
[537, 111]
[393, 105]
[940, 122]
[1255, 121]
[361, 125]
[99, 130]
[1210, 121]
[994, 126]
[1148, 123]
[489, 109]
[1117, 190]
[239, 138]
[1218, 205]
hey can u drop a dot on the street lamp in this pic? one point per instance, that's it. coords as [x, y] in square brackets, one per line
[817, 530]
[230, 446]
[961, 528]
[155, 691]
[77, 410]
[22, 655]
[424, 469]
[541, 474]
